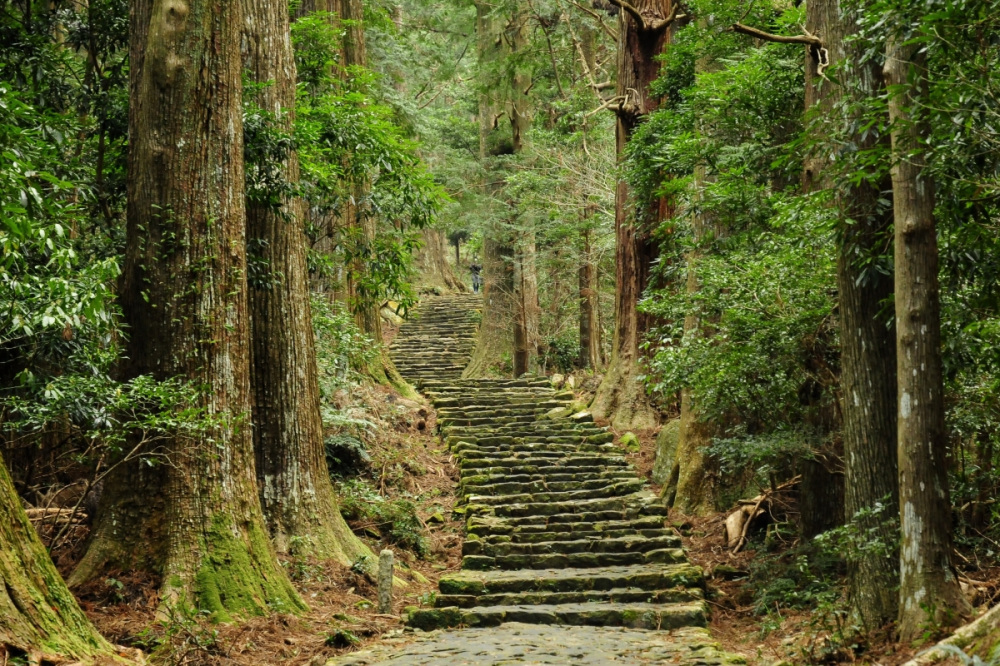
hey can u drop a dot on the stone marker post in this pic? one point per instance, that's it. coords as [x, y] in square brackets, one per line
[385, 581]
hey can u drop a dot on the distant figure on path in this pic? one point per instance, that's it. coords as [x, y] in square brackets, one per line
[477, 279]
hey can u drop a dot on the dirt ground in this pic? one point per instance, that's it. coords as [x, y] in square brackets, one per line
[408, 461]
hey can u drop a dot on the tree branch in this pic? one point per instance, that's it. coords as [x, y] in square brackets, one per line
[652, 25]
[619, 100]
[805, 38]
[611, 33]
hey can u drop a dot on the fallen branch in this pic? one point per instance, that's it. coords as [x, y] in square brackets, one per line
[739, 522]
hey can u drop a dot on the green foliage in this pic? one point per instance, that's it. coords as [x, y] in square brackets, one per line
[341, 348]
[395, 519]
[560, 354]
[357, 162]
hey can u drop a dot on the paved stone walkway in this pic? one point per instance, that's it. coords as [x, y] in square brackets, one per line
[519, 643]
[567, 557]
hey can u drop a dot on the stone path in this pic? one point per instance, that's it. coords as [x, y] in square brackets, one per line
[567, 557]
[436, 342]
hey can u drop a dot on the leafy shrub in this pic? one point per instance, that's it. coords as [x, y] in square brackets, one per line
[346, 455]
[395, 519]
[561, 353]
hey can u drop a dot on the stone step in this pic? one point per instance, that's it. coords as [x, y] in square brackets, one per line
[618, 595]
[484, 526]
[634, 615]
[609, 490]
[654, 577]
[502, 486]
[581, 532]
[574, 560]
[632, 543]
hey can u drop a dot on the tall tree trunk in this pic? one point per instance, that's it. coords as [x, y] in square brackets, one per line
[868, 340]
[363, 224]
[693, 493]
[928, 585]
[38, 614]
[621, 398]
[195, 519]
[431, 262]
[494, 340]
[300, 507]
[590, 326]
[527, 314]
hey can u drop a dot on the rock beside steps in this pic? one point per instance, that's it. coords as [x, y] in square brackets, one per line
[559, 529]
[437, 339]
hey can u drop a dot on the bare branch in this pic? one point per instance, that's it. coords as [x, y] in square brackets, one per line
[619, 100]
[611, 33]
[806, 38]
[654, 24]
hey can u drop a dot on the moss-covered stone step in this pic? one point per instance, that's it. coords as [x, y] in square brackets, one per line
[550, 510]
[647, 577]
[634, 615]
[483, 526]
[607, 490]
[536, 455]
[541, 459]
[501, 486]
[632, 543]
[574, 560]
[673, 595]
[459, 446]
[580, 532]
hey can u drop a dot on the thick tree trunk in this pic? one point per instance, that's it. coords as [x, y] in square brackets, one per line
[590, 326]
[928, 586]
[38, 614]
[621, 398]
[693, 493]
[194, 520]
[868, 352]
[300, 507]
[431, 263]
[494, 342]
[527, 315]
[526, 320]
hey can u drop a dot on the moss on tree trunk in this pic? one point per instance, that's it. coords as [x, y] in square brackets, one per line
[194, 518]
[38, 614]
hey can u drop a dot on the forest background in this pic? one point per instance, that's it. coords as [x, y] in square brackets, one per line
[734, 221]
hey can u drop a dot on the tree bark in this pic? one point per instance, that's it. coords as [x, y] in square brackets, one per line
[431, 262]
[195, 519]
[693, 493]
[38, 614]
[590, 327]
[868, 354]
[493, 343]
[621, 398]
[527, 314]
[298, 500]
[928, 585]
[363, 224]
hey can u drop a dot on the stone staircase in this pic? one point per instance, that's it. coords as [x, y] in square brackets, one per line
[567, 556]
[560, 530]
[437, 340]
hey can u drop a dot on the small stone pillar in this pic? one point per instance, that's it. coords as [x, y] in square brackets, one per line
[385, 565]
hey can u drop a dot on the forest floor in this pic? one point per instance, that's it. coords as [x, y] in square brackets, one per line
[764, 605]
[409, 467]
[768, 607]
